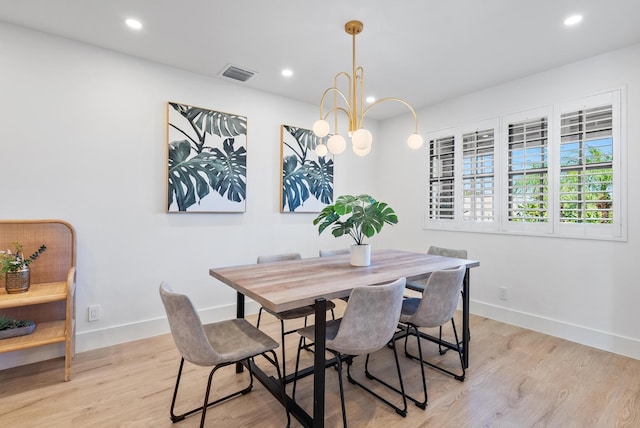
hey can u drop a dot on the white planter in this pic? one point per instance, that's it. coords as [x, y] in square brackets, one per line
[360, 255]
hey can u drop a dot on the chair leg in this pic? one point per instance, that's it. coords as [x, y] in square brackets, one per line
[341, 385]
[455, 334]
[456, 376]
[176, 418]
[295, 377]
[422, 404]
[402, 412]
[259, 317]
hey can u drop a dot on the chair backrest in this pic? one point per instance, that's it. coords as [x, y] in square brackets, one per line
[447, 252]
[279, 257]
[370, 320]
[59, 237]
[439, 298]
[186, 328]
[328, 253]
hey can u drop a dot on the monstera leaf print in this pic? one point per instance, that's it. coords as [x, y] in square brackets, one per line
[207, 161]
[305, 175]
[321, 179]
[231, 169]
[294, 183]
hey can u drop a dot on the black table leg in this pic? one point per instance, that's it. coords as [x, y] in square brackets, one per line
[239, 314]
[319, 362]
[465, 320]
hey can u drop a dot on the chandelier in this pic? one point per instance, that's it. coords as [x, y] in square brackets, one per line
[352, 105]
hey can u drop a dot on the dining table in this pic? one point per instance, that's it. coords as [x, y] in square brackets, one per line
[279, 286]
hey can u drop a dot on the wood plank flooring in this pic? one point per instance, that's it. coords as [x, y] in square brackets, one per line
[517, 378]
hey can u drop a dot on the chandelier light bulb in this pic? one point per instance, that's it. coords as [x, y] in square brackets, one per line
[321, 128]
[362, 139]
[362, 152]
[415, 141]
[321, 150]
[336, 144]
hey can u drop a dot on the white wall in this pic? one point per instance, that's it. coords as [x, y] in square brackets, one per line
[583, 290]
[83, 139]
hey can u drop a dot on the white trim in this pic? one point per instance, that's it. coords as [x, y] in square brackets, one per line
[599, 339]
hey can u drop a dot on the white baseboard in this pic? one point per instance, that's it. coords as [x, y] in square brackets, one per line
[109, 336]
[606, 341]
[100, 338]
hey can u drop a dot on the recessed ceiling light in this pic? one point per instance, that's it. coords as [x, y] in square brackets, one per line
[287, 72]
[370, 100]
[572, 20]
[134, 24]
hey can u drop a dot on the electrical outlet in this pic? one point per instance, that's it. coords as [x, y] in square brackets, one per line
[502, 293]
[94, 313]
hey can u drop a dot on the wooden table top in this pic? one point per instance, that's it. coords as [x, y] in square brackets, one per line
[291, 284]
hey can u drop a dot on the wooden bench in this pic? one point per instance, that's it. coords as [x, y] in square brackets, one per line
[50, 301]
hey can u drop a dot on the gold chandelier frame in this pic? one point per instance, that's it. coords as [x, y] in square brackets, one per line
[354, 107]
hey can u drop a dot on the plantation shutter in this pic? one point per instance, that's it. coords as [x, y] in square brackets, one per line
[528, 190]
[586, 166]
[478, 180]
[441, 178]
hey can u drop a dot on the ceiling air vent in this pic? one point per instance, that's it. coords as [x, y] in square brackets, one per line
[237, 73]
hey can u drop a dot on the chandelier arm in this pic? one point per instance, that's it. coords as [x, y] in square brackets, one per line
[400, 100]
[334, 110]
[335, 97]
[336, 91]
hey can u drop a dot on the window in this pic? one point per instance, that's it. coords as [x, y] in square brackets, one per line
[552, 171]
[478, 163]
[441, 178]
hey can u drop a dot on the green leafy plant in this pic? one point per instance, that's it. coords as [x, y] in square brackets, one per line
[8, 323]
[13, 262]
[357, 216]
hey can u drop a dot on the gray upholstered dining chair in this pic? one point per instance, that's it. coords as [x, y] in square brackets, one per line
[418, 285]
[436, 307]
[328, 253]
[368, 325]
[216, 345]
[291, 314]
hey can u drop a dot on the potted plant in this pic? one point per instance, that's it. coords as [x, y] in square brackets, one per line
[10, 327]
[359, 217]
[16, 268]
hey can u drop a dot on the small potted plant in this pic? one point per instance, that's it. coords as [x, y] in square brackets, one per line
[10, 327]
[15, 267]
[359, 217]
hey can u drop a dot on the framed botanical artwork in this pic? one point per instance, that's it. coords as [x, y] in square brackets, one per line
[207, 160]
[306, 178]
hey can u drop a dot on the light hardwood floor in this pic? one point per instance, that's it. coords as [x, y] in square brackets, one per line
[516, 378]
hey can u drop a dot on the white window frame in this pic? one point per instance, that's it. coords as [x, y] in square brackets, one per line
[538, 228]
[615, 230]
[484, 226]
[443, 224]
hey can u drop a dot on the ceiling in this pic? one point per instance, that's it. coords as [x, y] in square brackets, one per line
[423, 51]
